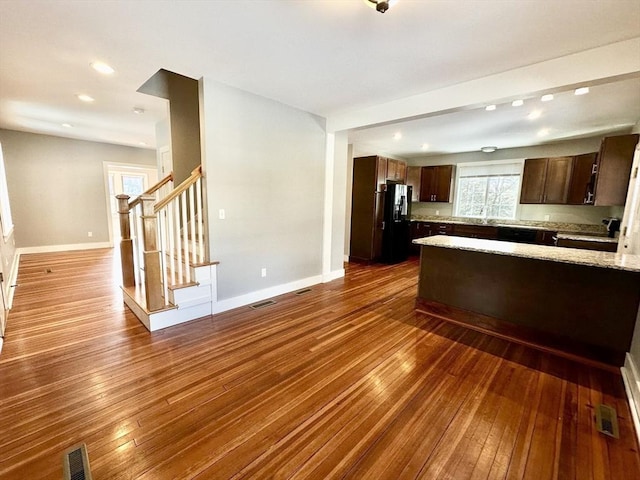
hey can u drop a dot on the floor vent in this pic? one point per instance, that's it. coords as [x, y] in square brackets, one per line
[75, 463]
[302, 292]
[266, 303]
[607, 420]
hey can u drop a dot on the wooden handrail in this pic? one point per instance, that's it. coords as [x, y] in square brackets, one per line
[151, 190]
[195, 175]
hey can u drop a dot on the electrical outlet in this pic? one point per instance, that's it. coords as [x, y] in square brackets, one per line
[437, 212]
[263, 272]
[546, 218]
[221, 214]
[89, 234]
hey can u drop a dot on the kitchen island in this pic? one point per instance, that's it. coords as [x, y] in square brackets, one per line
[577, 303]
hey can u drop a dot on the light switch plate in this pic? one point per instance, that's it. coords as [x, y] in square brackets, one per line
[221, 214]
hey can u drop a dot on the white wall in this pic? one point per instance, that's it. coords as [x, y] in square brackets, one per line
[264, 164]
[57, 188]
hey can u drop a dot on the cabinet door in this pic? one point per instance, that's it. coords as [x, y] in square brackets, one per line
[401, 170]
[427, 184]
[558, 175]
[442, 190]
[413, 179]
[614, 169]
[392, 169]
[581, 185]
[381, 172]
[533, 178]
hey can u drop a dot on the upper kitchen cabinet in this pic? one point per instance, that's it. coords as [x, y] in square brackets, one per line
[614, 169]
[546, 180]
[582, 179]
[413, 180]
[396, 170]
[435, 183]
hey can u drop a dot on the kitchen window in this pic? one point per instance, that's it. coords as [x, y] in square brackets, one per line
[488, 189]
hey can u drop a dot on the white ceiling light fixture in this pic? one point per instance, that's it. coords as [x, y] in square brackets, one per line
[102, 68]
[380, 5]
[490, 108]
[85, 98]
[517, 103]
[488, 149]
[425, 146]
[581, 91]
[67, 125]
[138, 110]
[543, 132]
[397, 136]
[547, 98]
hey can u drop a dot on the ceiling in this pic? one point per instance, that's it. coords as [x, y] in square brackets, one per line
[323, 56]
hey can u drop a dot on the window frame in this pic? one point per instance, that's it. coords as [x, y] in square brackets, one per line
[512, 166]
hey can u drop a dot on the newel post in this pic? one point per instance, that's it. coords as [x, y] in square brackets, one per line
[151, 254]
[126, 243]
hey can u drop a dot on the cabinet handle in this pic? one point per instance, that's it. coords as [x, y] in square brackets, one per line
[594, 169]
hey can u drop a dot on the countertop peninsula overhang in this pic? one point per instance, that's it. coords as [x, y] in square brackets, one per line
[539, 252]
[579, 304]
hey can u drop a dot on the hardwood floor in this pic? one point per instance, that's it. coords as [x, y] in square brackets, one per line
[346, 381]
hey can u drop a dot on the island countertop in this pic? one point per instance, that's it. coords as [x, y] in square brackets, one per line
[575, 256]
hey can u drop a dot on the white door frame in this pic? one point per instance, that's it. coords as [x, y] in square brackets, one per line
[109, 167]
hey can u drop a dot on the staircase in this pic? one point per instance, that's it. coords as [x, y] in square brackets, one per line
[167, 277]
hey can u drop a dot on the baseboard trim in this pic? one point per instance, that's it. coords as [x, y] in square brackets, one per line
[63, 248]
[333, 275]
[13, 280]
[631, 380]
[253, 297]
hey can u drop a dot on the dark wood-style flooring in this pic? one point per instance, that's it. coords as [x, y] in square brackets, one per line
[346, 381]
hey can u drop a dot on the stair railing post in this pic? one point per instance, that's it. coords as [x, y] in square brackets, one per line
[151, 255]
[126, 242]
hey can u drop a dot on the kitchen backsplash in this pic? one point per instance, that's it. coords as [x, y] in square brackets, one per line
[575, 214]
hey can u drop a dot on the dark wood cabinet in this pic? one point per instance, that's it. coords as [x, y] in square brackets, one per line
[413, 180]
[582, 179]
[476, 231]
[396, 170]
[588, 245]
[546, 237]
[369, 174]
[435, 183]
[614, 169]
[546, 180]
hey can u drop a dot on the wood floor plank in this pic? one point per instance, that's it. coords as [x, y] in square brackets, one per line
[347, 381]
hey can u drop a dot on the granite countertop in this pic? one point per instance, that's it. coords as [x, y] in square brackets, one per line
[573, 228]
[575, 256]
[587, 238]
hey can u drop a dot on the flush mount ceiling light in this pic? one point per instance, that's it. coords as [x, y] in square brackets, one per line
[490, 108]
[488, 149]
[517, 103]
[425, 146]
[85, 98]
[102, 68]
[67, 125]
[138, 110]
[397, 136]
[380, 5]
[581, 91]
[543, 132]
[546, 98]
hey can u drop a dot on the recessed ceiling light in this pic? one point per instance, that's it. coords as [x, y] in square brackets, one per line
[581, 91]
[547, 98]
[102, 68]
[397, 136]
[490, 108]
[143, 144]
[138, 110]
[517, 103]
[534, 114]
[425, 146]
[85, 98]
[67, 125]
[488, 149]
[543, 132]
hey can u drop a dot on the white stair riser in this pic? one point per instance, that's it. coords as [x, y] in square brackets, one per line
[187, 294]
[158, 321]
